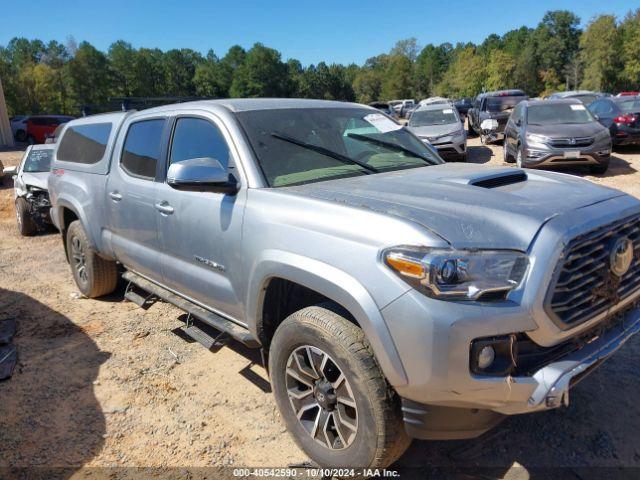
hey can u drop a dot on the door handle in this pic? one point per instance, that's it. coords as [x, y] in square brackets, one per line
[115, 196]
[164, 208]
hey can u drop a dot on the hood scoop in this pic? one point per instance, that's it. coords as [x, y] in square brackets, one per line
[494, 179]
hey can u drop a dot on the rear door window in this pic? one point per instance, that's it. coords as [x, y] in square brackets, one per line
[142, 147]
[84, 143]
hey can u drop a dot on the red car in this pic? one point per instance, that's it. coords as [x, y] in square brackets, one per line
[40, 126]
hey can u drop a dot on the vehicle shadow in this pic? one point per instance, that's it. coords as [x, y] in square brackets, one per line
[49, 415]
[479, 154]
[594, 437]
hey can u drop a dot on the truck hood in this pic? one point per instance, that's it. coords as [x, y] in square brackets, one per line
[36, 179]
[469, 206]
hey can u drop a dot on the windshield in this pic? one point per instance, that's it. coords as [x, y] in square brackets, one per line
[630, 106]
[501, 104]
[440, 116]
[38, 161]
[557, 113]
[303, 145]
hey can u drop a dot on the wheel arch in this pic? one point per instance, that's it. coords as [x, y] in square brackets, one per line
[328, 283]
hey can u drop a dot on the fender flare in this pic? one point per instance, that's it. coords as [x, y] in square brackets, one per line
[63, 202]
[334, 284]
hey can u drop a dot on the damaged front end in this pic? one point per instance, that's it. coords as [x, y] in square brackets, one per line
[39, 205]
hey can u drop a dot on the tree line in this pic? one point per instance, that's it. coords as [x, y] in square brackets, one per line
[556, 55]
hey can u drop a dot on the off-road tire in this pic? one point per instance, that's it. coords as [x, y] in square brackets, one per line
[380, 437]
[26, 225]
[101, 275]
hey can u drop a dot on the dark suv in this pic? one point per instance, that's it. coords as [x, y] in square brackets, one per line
[547, 133]
[496, 105]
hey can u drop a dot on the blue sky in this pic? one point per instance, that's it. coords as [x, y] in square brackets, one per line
[335, 31]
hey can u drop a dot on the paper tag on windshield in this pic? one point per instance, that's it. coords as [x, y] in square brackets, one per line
[577, 107]
[447, 110]
[382, 123]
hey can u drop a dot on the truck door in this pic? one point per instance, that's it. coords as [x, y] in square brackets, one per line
[131, 192]
[201, 231]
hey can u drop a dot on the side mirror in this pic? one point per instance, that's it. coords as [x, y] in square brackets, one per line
[13, 171]
[201, 174]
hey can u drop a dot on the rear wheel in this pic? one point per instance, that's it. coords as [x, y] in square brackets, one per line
[331, 392]
[94, 275]
[26, 226]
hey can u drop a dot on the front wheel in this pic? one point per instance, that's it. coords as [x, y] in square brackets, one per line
[331, 392]
[94, 275]
[519, 161]
[599, 169]
[26, 226]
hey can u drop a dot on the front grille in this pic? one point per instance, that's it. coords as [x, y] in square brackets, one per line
[585, 285]
[571, 142]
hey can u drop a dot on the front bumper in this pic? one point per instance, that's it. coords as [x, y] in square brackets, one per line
[451, 148]
[540, 155]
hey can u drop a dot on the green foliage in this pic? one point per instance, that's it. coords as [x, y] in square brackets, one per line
[630, 38]
[262, 74]
[600, 44]
[555, 55]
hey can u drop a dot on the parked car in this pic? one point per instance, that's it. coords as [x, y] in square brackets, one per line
[621, 115]
[551, 133]
[19, 127]
[441, 126]
[39, 126]
[30, 189]
[496, 105]
[585, 96]
[463, 105]
[385, 108]
[393, 296]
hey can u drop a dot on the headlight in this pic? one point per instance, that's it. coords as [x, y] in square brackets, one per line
[458, 274]
[532, 137]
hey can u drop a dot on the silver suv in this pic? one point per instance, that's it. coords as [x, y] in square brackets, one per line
[394, 296]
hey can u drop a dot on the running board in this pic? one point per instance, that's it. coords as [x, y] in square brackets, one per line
[235, 331]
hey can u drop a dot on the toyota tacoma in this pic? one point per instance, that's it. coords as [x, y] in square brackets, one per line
[393, 296]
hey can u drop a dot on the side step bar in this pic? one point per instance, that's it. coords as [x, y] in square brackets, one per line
[235, 331]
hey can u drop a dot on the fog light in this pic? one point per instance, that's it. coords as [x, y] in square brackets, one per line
[486, 357]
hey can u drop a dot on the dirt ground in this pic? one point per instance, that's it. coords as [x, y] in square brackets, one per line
[103, 383]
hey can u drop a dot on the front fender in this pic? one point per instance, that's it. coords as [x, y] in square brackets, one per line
[334, 284]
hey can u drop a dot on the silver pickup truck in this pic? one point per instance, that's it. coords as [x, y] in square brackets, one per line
[393, 296]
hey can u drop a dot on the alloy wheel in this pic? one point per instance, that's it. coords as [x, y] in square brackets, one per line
[79, 259]
[321, 397]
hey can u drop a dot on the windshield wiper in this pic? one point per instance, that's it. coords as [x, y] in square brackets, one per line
[391, 146]
[329, 153]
